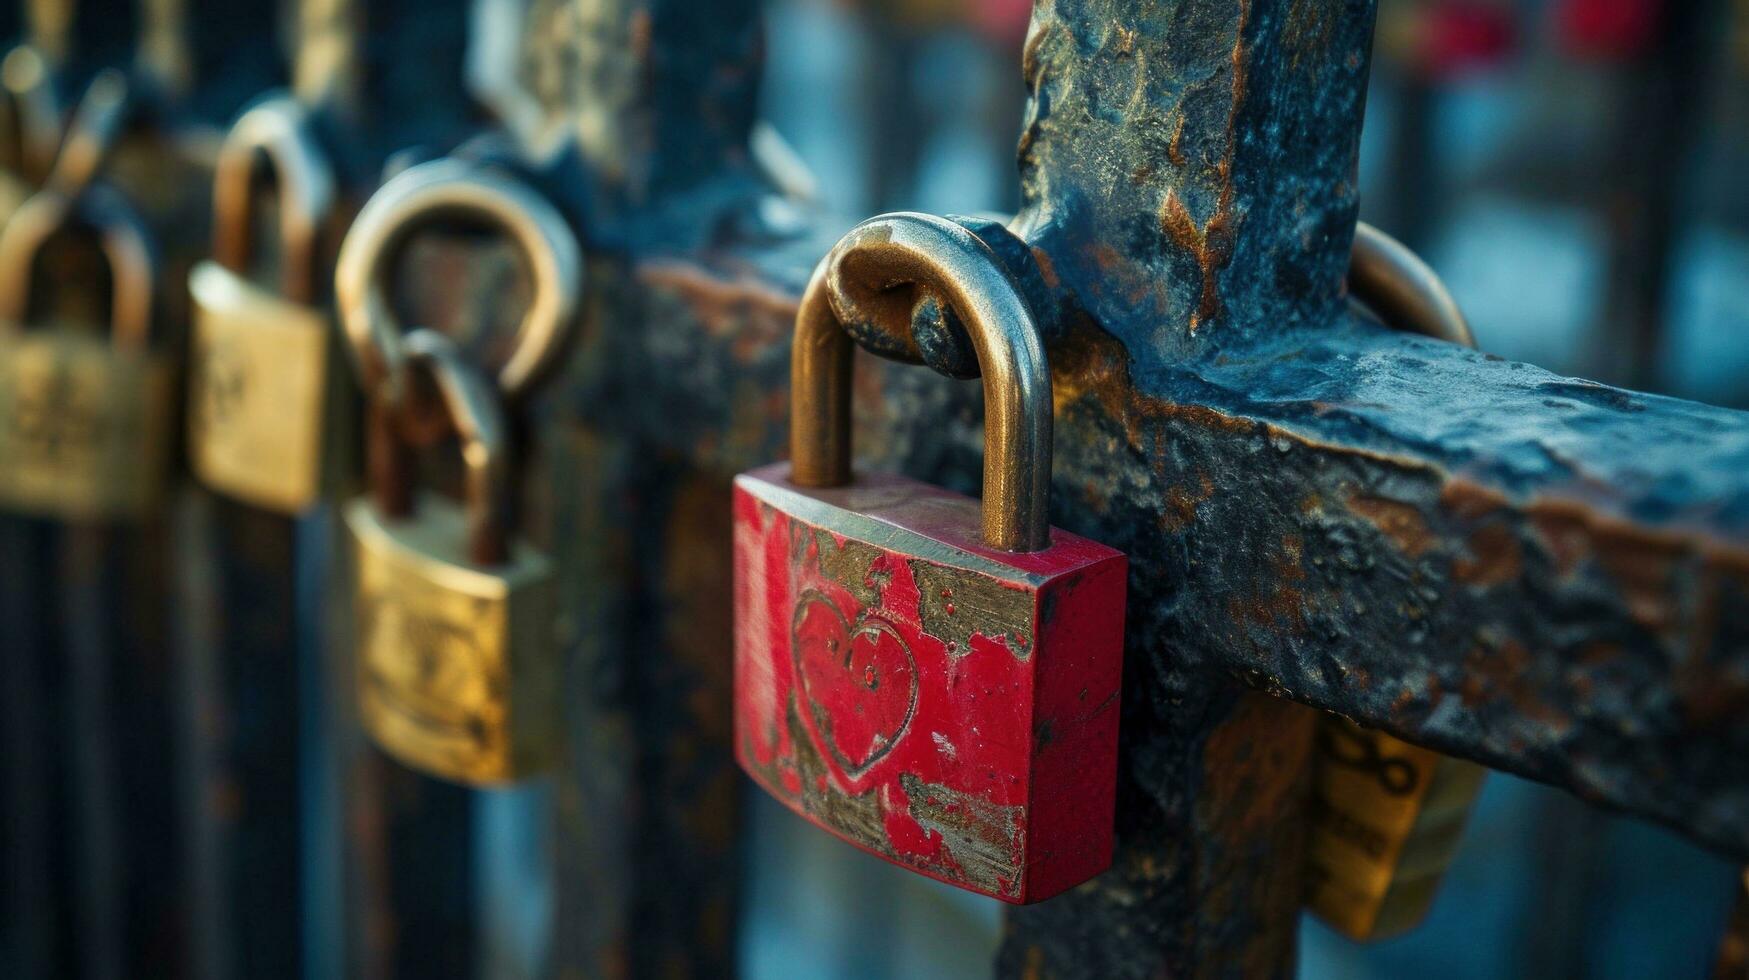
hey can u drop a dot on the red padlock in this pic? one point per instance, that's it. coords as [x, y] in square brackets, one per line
[932, 681]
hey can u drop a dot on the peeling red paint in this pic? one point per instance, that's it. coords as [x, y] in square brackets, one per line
[946, 706]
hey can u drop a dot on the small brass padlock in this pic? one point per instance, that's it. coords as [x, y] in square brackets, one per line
[1386, 814]
[85, 420]
[457, 663]
[931, 679]
[264, 406]
[458, 654]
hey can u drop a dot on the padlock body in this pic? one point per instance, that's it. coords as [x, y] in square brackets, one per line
[261, 394]
[1386, 820]
[84, 427]
[458, 669]
[947, 706]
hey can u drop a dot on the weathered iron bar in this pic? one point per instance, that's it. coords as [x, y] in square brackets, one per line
[656, 101]
[1526, 570]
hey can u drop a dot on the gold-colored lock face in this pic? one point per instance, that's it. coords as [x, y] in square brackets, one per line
[458, 669]
[261, 394]
[1386, 820]
[84, 427]
[84, 417]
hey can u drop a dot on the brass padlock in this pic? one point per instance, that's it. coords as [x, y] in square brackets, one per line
[458, 653]
[263, 403]
[85, 420]
[458, 666]
[1387, 815]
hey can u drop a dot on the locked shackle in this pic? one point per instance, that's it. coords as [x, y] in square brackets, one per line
[103, 113]
[32, 123]
[476, 415]
[279, 134]
[1404, 291]
[126, 244]
[875, 271]
[443, 190]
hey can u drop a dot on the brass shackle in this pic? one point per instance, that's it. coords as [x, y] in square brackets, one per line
[476, 414]
[280, 133]
[447, 189]
[869, 269]
[98, 121]
[1404, 291]
[127, 247]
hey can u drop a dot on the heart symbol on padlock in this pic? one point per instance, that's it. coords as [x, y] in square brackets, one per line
[860, 683]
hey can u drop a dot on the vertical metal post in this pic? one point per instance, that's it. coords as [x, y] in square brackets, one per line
[659, 97]
[1188, 173]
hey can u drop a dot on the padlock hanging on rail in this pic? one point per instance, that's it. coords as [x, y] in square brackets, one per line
[458, 663]
[85, 418]
[932, 679]
[265, 410]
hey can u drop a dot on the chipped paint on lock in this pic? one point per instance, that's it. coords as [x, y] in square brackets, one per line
[947, 706]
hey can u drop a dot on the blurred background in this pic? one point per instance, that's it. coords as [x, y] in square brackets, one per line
[1577, 171]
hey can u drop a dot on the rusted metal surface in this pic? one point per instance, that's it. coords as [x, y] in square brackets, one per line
[1529, 571]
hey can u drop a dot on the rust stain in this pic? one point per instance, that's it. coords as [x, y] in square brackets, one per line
[1285, 603]
[1175, 146]
[1494, 558]
[1250, 809]
[1047, 268]
[1471, 501]
[1504, 669]
[753, 315]
[1564, 536]
[1399, 521]
[1181, 504]
[1307, 32]
[1643, 568]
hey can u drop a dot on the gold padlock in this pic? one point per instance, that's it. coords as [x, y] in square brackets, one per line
[458, 665]
[263, 402]
[1387, 815]
[85, 420]
[457, 644]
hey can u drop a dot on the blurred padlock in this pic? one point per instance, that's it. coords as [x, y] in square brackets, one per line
[458, 659]
[458, 668]
[85, 418]
[264, 407]
[931, 679]
[1387, 815]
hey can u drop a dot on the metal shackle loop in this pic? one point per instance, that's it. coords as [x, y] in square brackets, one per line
[865, 275]
[476, 414]
[1404, 291]
[103, 113]
[447, 189]
[127, 247]
[280, 133]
